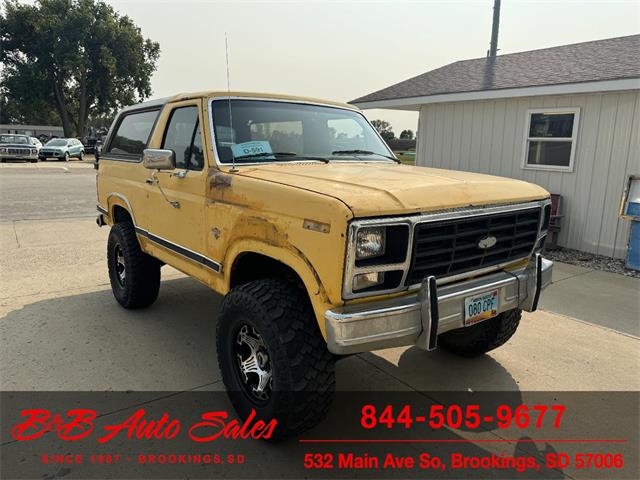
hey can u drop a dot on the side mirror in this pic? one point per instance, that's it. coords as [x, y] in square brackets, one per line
[157, 159]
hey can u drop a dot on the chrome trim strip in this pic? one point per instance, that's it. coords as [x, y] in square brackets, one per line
[350, 269]
[102, 210]
[179, 249]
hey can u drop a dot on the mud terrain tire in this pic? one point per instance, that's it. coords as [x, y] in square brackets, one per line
[278, 315]
[139, 286]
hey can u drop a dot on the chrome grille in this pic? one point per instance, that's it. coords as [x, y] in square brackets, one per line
[451, 247]
[18, 151]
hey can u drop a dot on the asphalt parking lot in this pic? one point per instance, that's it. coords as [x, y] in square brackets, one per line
[46, 190]
[61, 329]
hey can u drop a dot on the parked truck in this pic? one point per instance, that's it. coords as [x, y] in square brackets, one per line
[321, 242]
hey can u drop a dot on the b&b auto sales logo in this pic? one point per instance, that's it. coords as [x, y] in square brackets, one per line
[79, 425]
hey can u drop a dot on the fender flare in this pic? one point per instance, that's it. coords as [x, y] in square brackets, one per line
[292, 258]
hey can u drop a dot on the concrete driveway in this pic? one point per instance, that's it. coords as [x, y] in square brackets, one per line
[61, 329]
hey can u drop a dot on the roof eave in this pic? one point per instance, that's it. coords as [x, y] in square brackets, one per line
[414, 103]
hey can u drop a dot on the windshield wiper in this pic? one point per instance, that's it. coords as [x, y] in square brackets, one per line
[363, 152]
[287, 155]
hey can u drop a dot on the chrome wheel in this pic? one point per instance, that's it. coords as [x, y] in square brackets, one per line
[120, 267]
[253, 363]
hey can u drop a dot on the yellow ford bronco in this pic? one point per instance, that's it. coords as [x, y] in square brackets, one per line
[322, 243]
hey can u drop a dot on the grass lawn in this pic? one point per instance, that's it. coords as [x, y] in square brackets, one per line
[407, 157]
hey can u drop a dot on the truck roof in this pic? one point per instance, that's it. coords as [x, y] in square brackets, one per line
[221, 93]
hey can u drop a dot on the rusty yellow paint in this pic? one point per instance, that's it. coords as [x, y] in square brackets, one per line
[383, 188]
[263, 209]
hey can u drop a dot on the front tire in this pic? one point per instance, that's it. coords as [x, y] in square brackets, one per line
[272, 356]
[482, 337]
[134, 275]
[66, 156]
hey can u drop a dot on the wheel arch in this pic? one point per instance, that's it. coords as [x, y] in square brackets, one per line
[253, 260]
[119, 209]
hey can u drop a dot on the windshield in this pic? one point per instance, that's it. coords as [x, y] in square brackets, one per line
[14, 139]
[57, 142]
[267, 131]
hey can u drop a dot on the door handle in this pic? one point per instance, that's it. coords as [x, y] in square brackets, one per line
[181, 174]
[153, 180]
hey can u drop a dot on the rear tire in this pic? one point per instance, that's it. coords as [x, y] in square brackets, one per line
[483, 337]
[134, 275]
[66, 156]
[294, 381]
[81, 156]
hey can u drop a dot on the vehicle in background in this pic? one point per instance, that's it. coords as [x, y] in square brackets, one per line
[89, 144]
[17, 147]
[92, 140]
[37, 143]
[62, 149]
[98, 150]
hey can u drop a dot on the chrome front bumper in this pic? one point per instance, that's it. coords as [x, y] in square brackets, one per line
[418, 318]
[19, 156]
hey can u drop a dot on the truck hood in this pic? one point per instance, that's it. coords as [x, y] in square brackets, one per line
[372, 189]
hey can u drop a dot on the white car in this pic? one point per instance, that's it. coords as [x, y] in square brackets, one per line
[37, 143]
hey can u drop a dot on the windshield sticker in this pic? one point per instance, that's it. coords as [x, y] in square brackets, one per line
[260, 149]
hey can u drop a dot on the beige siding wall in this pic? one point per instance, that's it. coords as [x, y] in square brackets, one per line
[488, 137]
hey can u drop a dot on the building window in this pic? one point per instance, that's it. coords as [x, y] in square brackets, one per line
[550, 139]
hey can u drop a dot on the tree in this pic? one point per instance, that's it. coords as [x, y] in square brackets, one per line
[406, 135]
[74, 58]
[384, 129]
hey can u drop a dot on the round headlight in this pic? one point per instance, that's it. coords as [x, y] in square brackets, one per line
[370, 242]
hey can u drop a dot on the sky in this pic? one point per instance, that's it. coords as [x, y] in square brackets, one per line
[341, 50]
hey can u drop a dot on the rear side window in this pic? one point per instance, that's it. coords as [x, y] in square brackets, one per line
[183, 137]
[133, 133]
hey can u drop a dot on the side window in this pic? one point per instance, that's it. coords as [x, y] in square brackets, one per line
[183, 137]
[133, 133]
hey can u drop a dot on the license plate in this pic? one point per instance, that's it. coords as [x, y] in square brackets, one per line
[480, 307]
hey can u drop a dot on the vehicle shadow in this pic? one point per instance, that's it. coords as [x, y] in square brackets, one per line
[88, 342]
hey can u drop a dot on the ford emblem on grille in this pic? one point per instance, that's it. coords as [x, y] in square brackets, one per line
[487, 242]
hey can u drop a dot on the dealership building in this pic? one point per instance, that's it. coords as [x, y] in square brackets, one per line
[566, 118]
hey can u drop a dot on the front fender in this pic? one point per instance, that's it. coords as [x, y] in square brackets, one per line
[290, 257]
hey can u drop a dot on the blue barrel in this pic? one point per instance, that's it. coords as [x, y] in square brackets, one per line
[633, 252]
